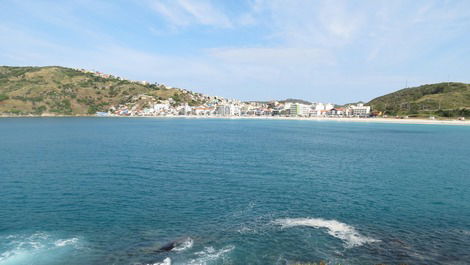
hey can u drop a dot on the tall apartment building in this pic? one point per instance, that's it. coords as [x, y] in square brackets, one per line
[297, 109]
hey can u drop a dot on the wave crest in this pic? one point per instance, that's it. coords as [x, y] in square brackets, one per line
[186, 244]
[24, 249]
[66, 242]
[343, 231]
[210, 254]
[166, 261]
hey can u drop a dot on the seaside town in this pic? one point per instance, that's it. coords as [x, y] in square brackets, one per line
[220, 107]
[214, 106]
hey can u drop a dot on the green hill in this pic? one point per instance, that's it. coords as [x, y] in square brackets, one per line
[442, 99]
[57, 90]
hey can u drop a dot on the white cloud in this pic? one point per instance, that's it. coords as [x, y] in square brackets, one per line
[184, 12]
[307, 23]
[339, 20]
[205, 13]
[171, 13]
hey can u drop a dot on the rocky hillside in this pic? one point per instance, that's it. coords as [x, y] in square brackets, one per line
[57, 90]
[442, 99]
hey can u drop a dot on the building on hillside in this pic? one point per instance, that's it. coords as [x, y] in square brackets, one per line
[185, 110]
[148, 111]
[161, 107]
[102, 114]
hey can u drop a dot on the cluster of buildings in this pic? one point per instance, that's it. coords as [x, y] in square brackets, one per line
[144, 105]
[319, 109]
[329, 110]
[104, 75]
[203, 105]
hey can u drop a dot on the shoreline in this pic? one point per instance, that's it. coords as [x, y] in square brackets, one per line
[357, 120]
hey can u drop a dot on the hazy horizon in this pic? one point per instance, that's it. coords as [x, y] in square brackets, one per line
[328, 51]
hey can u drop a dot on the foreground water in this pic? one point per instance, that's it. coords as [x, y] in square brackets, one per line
[111, 191]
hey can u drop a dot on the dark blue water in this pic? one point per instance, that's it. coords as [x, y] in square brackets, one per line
[112, 191]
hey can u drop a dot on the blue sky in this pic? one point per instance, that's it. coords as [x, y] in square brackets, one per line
[335, 51]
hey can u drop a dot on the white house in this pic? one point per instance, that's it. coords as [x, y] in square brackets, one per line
[185, 110]
[359, 110]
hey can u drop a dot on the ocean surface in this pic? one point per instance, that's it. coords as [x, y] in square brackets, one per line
[114, 190]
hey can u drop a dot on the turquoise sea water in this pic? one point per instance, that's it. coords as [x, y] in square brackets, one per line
[111, 191]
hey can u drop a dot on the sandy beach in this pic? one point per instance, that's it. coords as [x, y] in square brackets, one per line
[373, 120]
[320, 119]
[323, 119]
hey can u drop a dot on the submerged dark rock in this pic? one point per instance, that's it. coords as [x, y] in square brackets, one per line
[179, 243]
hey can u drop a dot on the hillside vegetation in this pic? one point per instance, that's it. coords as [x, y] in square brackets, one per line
[57, 90]
[442, 99]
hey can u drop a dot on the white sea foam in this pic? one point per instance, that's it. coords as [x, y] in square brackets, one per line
[345, 232]
[21, 249]
[66, 242]
[186, 244]
[166, 261]
[210, 254]
[245, 230]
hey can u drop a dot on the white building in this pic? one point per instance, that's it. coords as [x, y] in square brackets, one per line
[297, 109]
[227, 110]
[148, 111]
[287, 105]
[329, 106]
[161, 107]
[336, 112]
[322, 106]
[320, 109]
[185, 110]
[359, 110]
[202, 111]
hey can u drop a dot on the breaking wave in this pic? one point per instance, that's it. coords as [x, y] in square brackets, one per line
[166, 261]
[210, 254]
[65, 242]
[38, 248]
[345, 232]
[186, 244]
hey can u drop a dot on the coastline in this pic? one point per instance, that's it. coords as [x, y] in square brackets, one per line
[320, 119]
[359, 120]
